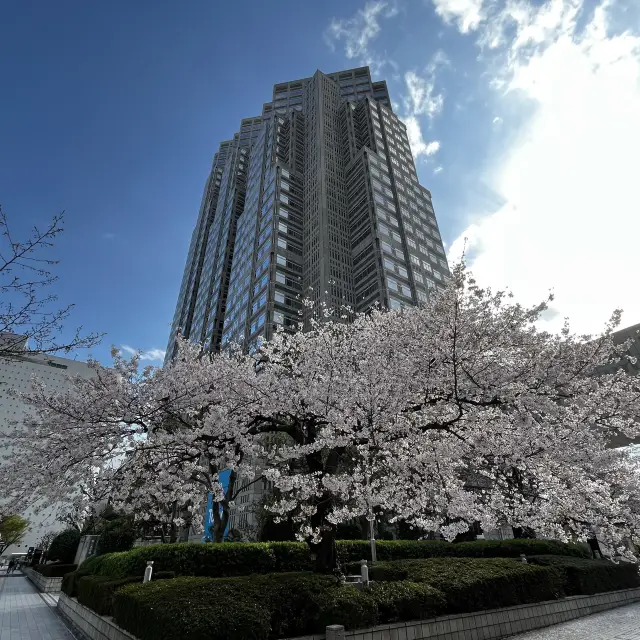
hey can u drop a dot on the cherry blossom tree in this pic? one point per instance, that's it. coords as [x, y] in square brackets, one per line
[29, 317]
[462, 411]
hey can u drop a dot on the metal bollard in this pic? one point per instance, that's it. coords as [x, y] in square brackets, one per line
[364, 573]
[334, 632]
[148, 571]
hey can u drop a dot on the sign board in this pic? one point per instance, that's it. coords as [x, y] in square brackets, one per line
[208, 519]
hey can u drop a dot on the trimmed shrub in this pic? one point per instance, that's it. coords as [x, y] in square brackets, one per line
[473, 584]
[191, 609]
[585, 577]
[346, 605]
[354, 550]
[236, 559]
[278, 605]
[380, 572]
[402, 601]
[69, 584]
[514, 547]
[291, 556]
[118, 537]
[57, 570]
[96, 592]
[64, 546]
[191, 559]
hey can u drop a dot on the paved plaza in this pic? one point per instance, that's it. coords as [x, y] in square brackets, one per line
[622, 623]
[25, 615]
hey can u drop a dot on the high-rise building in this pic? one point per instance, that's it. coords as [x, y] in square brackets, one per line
[16, 374]
[317, 198]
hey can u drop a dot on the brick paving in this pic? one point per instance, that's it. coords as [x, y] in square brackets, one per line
[622, 623]
[25, 615]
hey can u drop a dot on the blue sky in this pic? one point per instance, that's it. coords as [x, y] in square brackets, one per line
[525, 116]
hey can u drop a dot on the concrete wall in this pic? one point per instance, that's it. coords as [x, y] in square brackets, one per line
[44, 585]
[496, 623]
[89, 623]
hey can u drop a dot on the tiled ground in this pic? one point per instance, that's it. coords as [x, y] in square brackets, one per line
[622, 623]
[24, 615]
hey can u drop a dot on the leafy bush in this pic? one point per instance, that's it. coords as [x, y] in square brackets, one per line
[119, 536]
[270, 606]
[57, 570]
[473, 584]
[585, 577]
[69, 584]
[96, 592]
[380, 572]
[191, 609]
[354, 550]
[192, 559]
[513, 548]
[402, 601]
[291, 556]
[64, 546]
[235, 559]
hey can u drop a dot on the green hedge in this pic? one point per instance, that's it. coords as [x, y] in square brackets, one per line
[473, 584]
[56, 570]
[64, 546]
[235, 559]
[402, 601]
[585, 577]
[96, 592]
[354, 550]
[260, 607]
[289, 604]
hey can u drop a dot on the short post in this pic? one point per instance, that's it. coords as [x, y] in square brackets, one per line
[523, 558]
[364, 573]
[372, 540]
[334, 632]
[148, 571]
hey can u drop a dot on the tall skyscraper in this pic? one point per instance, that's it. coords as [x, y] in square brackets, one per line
[316, 198]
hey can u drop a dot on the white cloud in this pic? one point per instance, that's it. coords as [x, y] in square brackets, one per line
[436, 171]
[418, 146]
[467, 14]
[571, 219]
[360, 30]
[497, 120]
[422, 98]
[432, 147]
[150, 354]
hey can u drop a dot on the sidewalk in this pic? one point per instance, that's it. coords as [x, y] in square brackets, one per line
[24, 615]
[622, 623]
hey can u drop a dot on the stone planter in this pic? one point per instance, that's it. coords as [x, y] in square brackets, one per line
[88, 623]
[44, 585]
[479, 625]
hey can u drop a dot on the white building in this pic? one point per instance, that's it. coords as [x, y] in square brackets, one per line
[16, 373]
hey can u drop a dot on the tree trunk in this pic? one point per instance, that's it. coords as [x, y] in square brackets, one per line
[326, 552]
[219, 521]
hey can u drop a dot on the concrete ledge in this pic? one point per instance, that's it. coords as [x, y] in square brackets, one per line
[88, 623]
[494, 623]
[479, 625]
[44, 585]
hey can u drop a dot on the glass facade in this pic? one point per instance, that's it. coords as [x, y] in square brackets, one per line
[318, 197]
